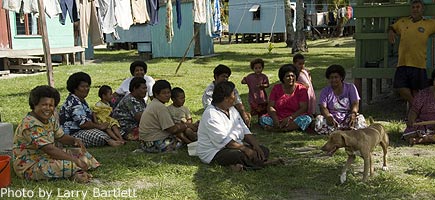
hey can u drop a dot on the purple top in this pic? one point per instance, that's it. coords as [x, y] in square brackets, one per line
[256, 95]
[339, 105]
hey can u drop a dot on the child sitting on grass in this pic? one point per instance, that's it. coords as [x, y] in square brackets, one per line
[102, 113]
[181, 114]
[257, 83]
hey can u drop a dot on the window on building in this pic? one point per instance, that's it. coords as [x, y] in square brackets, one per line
[256, 14]
[27, 24]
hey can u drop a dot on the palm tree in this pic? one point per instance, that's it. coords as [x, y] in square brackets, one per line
[289, 16]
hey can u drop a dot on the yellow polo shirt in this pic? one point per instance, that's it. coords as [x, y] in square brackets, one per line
[413, 41]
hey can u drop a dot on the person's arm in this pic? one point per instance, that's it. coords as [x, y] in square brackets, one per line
[250, 139]
[272, 113]
[137, 116]
[328, 116]
[58, 154]
[353, 113]
[91, 125]
[412, 116]
[243, 80]
[176, 128]
[243, 114]
[246, 150]
[391, 35]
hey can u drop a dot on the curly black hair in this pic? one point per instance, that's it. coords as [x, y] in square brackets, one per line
[175, 92]
[138, 63]
[42, 91]
[160, 85]
[257, 61]
[74, 80]
[287, 68]
[221, 69]
[336, 69]
[222, 90]
[104, 89]
[136, 82]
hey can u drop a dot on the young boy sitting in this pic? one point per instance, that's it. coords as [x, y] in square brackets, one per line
[181, 114]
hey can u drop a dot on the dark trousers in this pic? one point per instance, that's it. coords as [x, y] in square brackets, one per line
[228, 156]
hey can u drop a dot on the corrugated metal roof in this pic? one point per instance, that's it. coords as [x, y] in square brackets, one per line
[254, 8]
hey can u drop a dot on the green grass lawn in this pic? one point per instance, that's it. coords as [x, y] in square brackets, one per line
[306, 175]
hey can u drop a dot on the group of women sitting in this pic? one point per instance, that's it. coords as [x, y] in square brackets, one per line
[223, 134]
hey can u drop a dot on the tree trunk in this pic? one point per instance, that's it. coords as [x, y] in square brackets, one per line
[300, 42]
[289, 29]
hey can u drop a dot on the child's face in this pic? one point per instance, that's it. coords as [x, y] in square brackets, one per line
[300, 64]
[258, 68]
[107, 96]
[221, 78]
[179, 100]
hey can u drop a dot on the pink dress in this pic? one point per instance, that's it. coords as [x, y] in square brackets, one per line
[305, 79]
[257, 97]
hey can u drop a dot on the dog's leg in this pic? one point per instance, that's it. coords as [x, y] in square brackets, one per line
[367, 166]
[372, 168]
[385, 150]
[349, 161]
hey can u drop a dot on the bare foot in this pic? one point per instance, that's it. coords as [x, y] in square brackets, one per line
[274, 162]
[82, 177]
[236, 168]
[114, 143]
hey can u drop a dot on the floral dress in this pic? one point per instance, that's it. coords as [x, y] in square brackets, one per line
[31, 163]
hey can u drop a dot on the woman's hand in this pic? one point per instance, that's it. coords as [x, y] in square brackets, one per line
[285, 122]
[330, 121]
[79, 143]
[260, 153]
[249, 152]
[81, 164]
[352, 122]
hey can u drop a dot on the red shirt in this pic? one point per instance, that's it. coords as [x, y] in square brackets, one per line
[287, 104]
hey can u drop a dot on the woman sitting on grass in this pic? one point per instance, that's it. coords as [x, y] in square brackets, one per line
[36, 156]
[76, 117]
[224, 138]
[339, 104]
[129, 110]
[422, 111]
[287, 108]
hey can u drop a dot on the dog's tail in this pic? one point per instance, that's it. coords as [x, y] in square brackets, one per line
[370, 120]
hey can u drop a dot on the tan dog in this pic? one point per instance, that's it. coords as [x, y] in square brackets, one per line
[359, 142]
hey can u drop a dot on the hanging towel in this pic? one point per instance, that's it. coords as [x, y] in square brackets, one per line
[199, 10]
[209, 18]
[178, 8]
[154, 11]
[70, 7]
[12, 5]
[89, 26]
[30, 6]
[139, 11]
[169, 28]
[217, 25]
[123, 14]
[107, 16]
[52, 8]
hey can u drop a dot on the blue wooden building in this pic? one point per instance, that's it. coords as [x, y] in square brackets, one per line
[256, 17]
[20, 39]
[152, 39]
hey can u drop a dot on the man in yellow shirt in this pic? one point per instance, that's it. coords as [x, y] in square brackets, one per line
[414, 32]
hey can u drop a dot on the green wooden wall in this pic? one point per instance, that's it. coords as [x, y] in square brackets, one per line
[59, 35]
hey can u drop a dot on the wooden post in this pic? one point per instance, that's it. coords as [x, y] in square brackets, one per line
[45, 43]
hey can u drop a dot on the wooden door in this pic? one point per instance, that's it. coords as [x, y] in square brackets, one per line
[4, 29]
